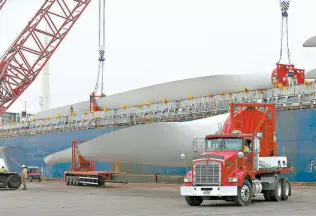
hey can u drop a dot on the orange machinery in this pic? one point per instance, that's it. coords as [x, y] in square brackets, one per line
[93, 102]
[83, 171]
[279, 76]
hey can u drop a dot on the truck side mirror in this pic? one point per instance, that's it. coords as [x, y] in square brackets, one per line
[195, 145]
[184, 157]
[257, 146]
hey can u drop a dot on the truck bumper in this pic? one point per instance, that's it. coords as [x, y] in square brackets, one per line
[209, 191]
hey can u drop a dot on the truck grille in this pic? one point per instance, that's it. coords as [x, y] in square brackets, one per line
[207, 173]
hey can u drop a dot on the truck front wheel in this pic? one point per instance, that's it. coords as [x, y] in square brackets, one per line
[244, 194]
[194, 200]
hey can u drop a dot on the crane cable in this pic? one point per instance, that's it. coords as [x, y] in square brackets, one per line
[285, 4]
[13, 159]
[101, 46]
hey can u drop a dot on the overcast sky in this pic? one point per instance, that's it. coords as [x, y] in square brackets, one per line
[155, 41]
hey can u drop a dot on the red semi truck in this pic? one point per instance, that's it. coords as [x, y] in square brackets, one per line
[240, 162]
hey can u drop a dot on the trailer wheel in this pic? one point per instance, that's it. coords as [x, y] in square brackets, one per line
[76, 183]
[244, 194]
[194, 200]
[286, 188]
[71, 180]
[67, 180]
[276, 194]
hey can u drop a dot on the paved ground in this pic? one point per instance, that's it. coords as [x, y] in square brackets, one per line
[56, 199]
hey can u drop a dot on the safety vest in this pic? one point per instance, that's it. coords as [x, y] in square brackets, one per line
[246, 149]
[24, 173]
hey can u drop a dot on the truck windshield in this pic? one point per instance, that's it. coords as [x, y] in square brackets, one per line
[232, 144]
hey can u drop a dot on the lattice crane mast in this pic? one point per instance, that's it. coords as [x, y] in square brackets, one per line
[26, 57]
[286, 74]
[2, 2]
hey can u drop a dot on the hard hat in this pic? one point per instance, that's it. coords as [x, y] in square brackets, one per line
[23, 166]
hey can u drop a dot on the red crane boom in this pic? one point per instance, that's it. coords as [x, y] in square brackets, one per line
[2, 2]
[26, 57]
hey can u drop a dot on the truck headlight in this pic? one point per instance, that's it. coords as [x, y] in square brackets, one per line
[233, 180]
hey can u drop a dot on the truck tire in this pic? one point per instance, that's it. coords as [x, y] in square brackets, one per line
[76, 181]
[244, 194]
[67, 180]
[267, 195]
[286, 189]
[276, 194]
[194, 200]
[14, 181]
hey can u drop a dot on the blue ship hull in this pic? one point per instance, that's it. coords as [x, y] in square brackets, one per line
[296, 135]
[31, 150]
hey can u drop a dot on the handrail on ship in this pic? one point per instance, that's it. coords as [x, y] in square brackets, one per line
[294, 97]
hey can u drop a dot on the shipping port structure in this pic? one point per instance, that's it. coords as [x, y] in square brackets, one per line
[54, 130]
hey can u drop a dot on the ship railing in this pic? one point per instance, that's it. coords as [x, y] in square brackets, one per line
[283, 98]
[184, 113]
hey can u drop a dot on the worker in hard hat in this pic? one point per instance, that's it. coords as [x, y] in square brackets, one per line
[71, 110]
[24, 176]
[3, 169]
[290, 75]
[275, 80]
[295, 80]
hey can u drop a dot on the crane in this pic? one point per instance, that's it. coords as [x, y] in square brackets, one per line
[93, 104]
[2, 2]
[26, 57]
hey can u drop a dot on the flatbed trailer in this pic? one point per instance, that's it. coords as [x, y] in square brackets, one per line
[96, 178]
[83, 171]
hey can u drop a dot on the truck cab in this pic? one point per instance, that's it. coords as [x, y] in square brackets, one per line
[236, 166]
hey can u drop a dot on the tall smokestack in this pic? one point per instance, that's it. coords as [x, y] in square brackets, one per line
[45, 99]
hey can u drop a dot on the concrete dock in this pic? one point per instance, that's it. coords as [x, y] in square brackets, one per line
[57, 199]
